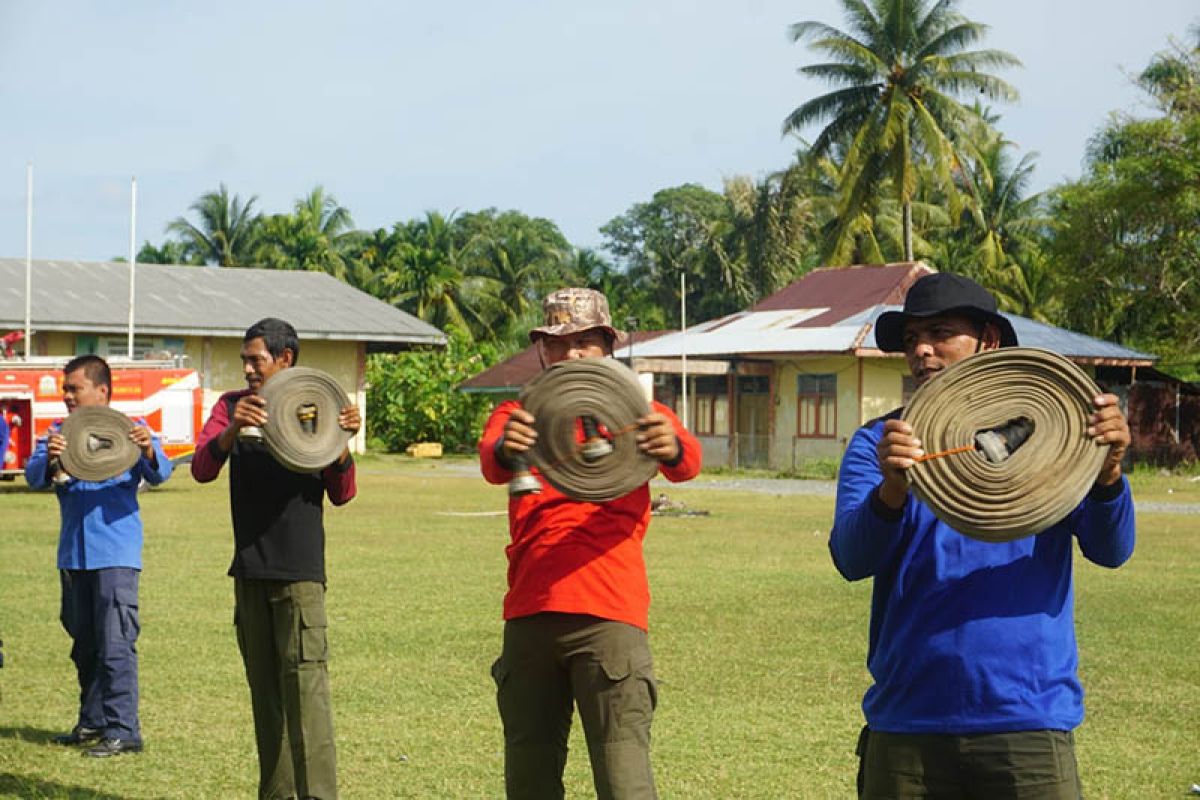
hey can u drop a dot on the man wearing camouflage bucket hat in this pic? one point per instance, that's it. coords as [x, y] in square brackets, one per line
[577, 606]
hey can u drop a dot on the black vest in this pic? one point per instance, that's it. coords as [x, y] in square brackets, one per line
[278, 525]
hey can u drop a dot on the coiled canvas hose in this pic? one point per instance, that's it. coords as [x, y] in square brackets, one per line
[302, 430]
[98, 443]
[1037, 485]
[609, 392]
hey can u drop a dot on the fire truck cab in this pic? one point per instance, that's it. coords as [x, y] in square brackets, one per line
[165, 394]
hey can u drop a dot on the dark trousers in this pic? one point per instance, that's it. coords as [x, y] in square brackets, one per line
[1025, 765]
[100, 613]
[550, 661]
[281, 632]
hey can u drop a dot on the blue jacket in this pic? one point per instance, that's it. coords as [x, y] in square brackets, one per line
[968, 636]
[101, 526]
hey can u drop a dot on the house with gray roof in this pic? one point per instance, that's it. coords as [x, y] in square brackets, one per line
[791, 378]
[197, 315]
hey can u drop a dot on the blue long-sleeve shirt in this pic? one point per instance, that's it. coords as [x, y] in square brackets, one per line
[101, 525]
[968, 636]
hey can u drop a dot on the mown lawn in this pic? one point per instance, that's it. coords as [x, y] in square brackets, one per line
[758, 643]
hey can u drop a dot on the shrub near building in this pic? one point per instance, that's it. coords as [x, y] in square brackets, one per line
[413, 397]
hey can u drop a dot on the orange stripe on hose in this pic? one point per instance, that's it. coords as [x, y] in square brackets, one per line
[950, 452]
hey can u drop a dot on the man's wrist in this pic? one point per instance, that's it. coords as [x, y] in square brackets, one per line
[891, 496]
[501, 455]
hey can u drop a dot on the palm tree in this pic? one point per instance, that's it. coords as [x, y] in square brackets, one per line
[227, 232]
[326, 216]
[1004, 220]
[171, 252]
[426, 277]
[316, 236]
[898, 70]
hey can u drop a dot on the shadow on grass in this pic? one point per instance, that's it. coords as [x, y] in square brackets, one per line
[21, 786]
[26, 734]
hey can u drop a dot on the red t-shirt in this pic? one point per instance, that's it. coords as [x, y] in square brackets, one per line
[577, 557]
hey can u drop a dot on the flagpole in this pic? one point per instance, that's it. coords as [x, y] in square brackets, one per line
[683, 342]
[132, 259]
[28, 255]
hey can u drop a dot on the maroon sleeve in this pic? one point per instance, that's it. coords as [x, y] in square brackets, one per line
[209, 458]
[339, 480]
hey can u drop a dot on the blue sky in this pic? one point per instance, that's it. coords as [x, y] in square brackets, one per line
[569, 110]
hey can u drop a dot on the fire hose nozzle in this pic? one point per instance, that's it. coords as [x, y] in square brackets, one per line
[595, 446]
[523, 481]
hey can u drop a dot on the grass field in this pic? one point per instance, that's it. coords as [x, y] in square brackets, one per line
[759, 645]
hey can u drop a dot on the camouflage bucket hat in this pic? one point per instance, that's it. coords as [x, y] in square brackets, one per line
[570, 311]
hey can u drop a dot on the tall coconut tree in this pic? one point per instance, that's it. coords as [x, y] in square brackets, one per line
[226, 232]
[1004, 218]
[899, 70]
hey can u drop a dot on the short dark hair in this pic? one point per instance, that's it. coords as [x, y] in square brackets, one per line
[277, 336]
[94, 367]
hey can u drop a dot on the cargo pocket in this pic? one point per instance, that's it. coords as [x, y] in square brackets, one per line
[633, 694]
[125, 598]
[314, 644]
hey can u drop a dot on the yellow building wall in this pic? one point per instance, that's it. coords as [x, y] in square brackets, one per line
[883, 388]
[54, 343]
[881, 391]
[786, 450]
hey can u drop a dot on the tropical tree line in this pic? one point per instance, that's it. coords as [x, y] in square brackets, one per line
[905, 159]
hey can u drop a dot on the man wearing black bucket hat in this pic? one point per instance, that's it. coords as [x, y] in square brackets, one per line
[972, 644]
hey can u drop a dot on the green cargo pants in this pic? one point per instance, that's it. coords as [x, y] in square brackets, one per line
[1026, 765]
[550, 660]
[281, 634]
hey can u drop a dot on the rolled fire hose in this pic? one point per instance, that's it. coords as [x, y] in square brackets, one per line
[1000, 497]
[98, 443]
[302, 430]
[608, 392]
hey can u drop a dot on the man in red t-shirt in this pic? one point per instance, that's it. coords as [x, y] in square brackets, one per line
[578, 601]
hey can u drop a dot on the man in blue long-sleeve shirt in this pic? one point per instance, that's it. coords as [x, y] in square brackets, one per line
[99, 560]
[972, 644]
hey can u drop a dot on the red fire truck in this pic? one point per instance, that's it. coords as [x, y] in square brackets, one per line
[166, 395]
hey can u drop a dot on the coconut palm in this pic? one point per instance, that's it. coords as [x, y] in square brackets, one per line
[226, 233]
[316, 236]
[899, 71]
[426, 276]
[1004, 220]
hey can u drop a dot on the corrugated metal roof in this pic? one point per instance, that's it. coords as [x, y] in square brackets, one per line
[1069, 343]
[832, 310]
[842, 290]
[93, 297]
[758, 333]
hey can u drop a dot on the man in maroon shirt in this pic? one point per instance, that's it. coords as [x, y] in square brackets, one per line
[279, 573]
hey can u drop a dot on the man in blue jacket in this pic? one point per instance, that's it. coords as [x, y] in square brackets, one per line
[99, 560]
[972, 644]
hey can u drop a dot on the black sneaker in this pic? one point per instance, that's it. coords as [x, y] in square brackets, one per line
[78, 735]
[113, 747]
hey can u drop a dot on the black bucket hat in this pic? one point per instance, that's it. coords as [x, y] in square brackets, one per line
[941, 293]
